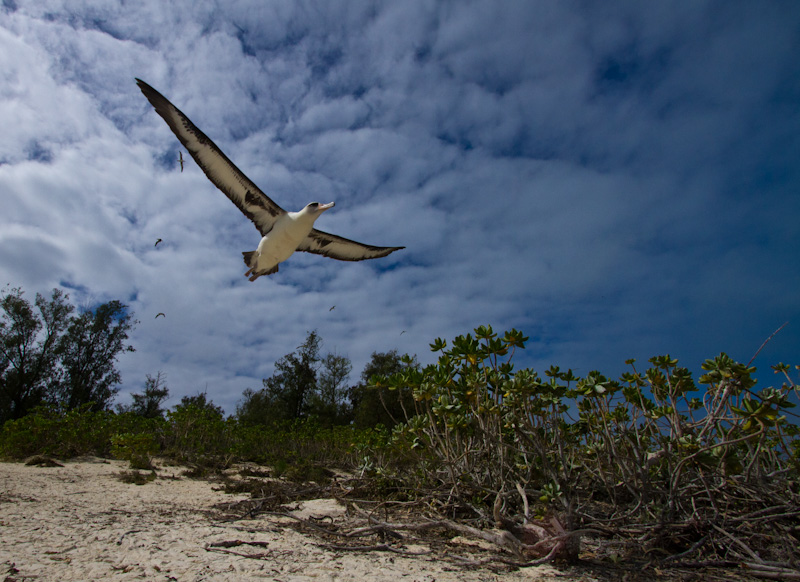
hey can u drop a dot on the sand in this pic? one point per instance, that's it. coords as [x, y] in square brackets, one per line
[81, 522]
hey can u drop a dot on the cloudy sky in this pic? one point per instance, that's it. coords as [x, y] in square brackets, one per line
[615, 179]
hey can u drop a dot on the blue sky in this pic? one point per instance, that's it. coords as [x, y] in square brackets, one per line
[615, 179]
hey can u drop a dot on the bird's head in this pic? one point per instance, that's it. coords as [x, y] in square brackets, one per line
[314, 209]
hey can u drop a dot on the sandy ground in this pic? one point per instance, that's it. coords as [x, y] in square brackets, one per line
[80, 522]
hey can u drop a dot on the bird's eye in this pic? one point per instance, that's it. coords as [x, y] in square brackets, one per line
[314, 204]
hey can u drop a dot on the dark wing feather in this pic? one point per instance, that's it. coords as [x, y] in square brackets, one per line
[337, 247]
[222, 172]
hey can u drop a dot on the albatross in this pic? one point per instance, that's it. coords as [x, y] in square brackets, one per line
[282, 232]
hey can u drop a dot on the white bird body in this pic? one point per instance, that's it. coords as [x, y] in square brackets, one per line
[282, 232]
[280, 243]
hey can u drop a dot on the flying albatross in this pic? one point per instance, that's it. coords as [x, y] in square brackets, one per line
[283, 232]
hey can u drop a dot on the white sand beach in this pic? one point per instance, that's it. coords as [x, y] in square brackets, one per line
[81, 522]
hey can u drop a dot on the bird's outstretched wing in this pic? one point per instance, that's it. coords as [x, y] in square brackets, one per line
[222, 172]
[337, 247]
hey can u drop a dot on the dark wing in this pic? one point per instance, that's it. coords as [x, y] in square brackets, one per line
[222, 172]
[337, 247]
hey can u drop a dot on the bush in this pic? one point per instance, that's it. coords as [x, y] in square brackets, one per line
[72, 433]
[49, 431]
[284, 444]
[645, 448]
[200, 435]
[138, 449]
[191, 434]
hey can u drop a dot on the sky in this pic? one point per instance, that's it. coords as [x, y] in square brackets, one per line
[614, 179]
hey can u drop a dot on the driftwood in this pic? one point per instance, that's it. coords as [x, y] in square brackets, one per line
[745, 543]
[528, 544]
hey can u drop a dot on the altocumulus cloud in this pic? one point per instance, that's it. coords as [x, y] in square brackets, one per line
[617, 180]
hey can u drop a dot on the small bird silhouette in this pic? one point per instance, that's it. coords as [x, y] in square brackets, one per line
[161, 314]
[402, 332]
[332, 308]
[180, 159]
[158, 241]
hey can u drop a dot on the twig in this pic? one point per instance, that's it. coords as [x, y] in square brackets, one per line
[305, 522]
[772, 572]
[761, 512]
[694, 546]
[706, 564]
[495, 559]
[526, 508]
[766, 341]
[234, 543]
[260, 556]
[376, 548]
[739, 543]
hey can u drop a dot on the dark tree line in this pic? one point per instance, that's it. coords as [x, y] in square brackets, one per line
[308, 385]
[49, 355]
[148, 403]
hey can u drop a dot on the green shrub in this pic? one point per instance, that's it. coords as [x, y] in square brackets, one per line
[67, 434]
[138, 449]
[201, 436]
[644, 447]
[49, 431]
[33, 434]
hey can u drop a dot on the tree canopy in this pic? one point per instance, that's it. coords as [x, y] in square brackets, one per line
[48, 355]
[147, 403]
[305, 384]
[373, 405]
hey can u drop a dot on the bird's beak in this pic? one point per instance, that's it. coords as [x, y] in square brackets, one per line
[323, 207]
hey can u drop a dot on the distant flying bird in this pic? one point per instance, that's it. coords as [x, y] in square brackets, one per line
[332, 308]
[283, 232]
[158, 241]
[161, 314]
[180, 159]
[402, 332]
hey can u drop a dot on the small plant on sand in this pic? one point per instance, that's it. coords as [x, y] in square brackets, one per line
[138, 449]
[137, 477]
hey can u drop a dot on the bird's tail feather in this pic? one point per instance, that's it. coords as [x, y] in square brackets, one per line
[252, 261]
[248, 256]
[254, 276]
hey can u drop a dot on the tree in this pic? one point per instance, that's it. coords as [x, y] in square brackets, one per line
[88, 352]
[328, 400]
[285, 395]
[47, 355]
[379, 405]
[200, 401]
[295, 379]
[28, 355]
[148, 403]
[255, 407]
